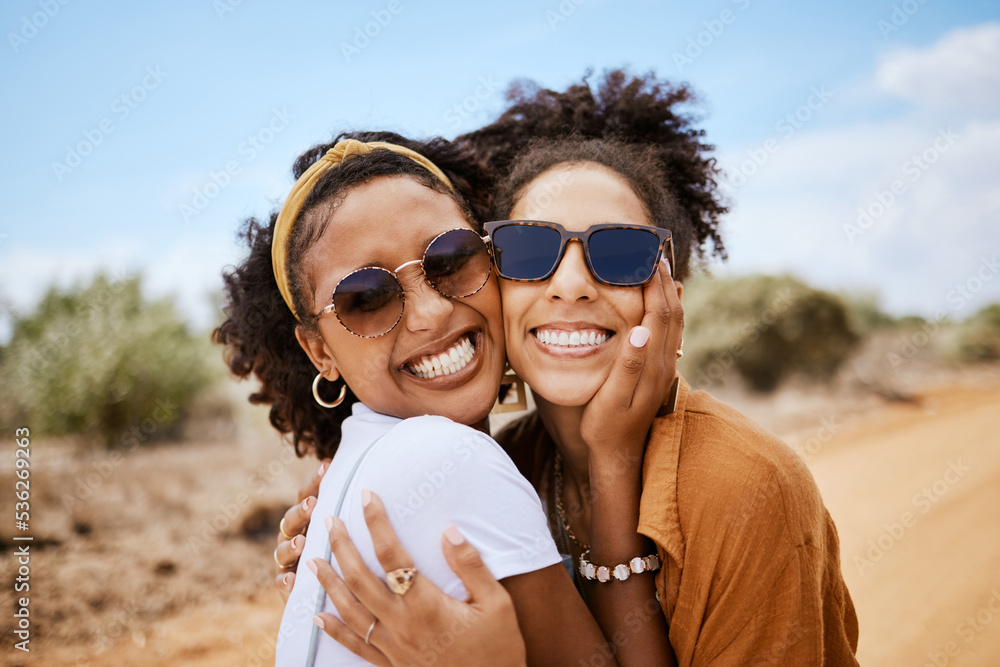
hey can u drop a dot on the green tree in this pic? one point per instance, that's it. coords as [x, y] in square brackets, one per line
[101, 362]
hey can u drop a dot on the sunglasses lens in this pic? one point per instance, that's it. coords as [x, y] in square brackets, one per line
[624, 256]
[525, 252]
[369, 301]
[457, 263]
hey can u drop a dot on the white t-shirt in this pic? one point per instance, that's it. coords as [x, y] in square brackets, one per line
[429, 472]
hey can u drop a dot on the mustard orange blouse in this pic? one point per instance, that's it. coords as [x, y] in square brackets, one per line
[751, 559]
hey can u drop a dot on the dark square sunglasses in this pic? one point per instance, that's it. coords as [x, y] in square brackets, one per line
[369, 302]
[619, 255]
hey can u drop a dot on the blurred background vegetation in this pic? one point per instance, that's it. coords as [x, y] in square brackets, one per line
[764, 330]
[101, 360]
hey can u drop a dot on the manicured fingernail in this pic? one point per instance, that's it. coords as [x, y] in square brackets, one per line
[322, 468]
[666, 263]
[366, 497]
[453, 535]
[298, 542]
[639, 336]
[319, 621]
[311, 564]
[306, 503]
[329, 523]
[284, 579]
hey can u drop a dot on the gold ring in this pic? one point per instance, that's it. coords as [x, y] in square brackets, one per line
[368, 635]
[281, 529]
[400, 580]
[280, 564]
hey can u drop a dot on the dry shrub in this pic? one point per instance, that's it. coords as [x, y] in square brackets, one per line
[765, 328]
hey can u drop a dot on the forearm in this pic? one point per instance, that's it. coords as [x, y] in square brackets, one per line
[627, 611]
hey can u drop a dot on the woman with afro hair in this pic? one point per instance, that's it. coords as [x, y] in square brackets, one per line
[730, 553]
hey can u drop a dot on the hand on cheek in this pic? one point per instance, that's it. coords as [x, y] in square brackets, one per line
[618, 418]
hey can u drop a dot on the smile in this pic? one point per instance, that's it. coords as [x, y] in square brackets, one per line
[576, 338]
[452, 360]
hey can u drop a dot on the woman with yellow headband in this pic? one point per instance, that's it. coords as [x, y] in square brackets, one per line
[747, 563]
[381, 310]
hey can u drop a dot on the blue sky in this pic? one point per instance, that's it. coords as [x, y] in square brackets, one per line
[163, 98]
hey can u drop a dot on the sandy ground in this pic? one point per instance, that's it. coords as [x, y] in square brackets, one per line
[913, 487]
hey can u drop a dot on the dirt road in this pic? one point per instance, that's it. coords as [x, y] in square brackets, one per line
[915, 492]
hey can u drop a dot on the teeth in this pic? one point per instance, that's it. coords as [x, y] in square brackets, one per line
[450, 361]
[571, 339]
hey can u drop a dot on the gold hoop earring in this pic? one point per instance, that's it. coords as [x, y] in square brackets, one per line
[340, 399]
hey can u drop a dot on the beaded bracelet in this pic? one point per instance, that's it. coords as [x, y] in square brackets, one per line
[621, 572]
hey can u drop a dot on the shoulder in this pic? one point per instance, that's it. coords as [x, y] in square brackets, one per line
[436, 450]
[434, 437]
[732, 471]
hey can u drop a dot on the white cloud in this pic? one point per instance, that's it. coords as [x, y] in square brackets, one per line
[822, 205]
[800, 211]
[959, 71]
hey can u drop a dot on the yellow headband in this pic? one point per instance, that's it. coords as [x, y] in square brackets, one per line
[344, 149]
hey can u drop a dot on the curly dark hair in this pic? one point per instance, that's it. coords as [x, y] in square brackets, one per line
[259, 330]
[628, 124]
